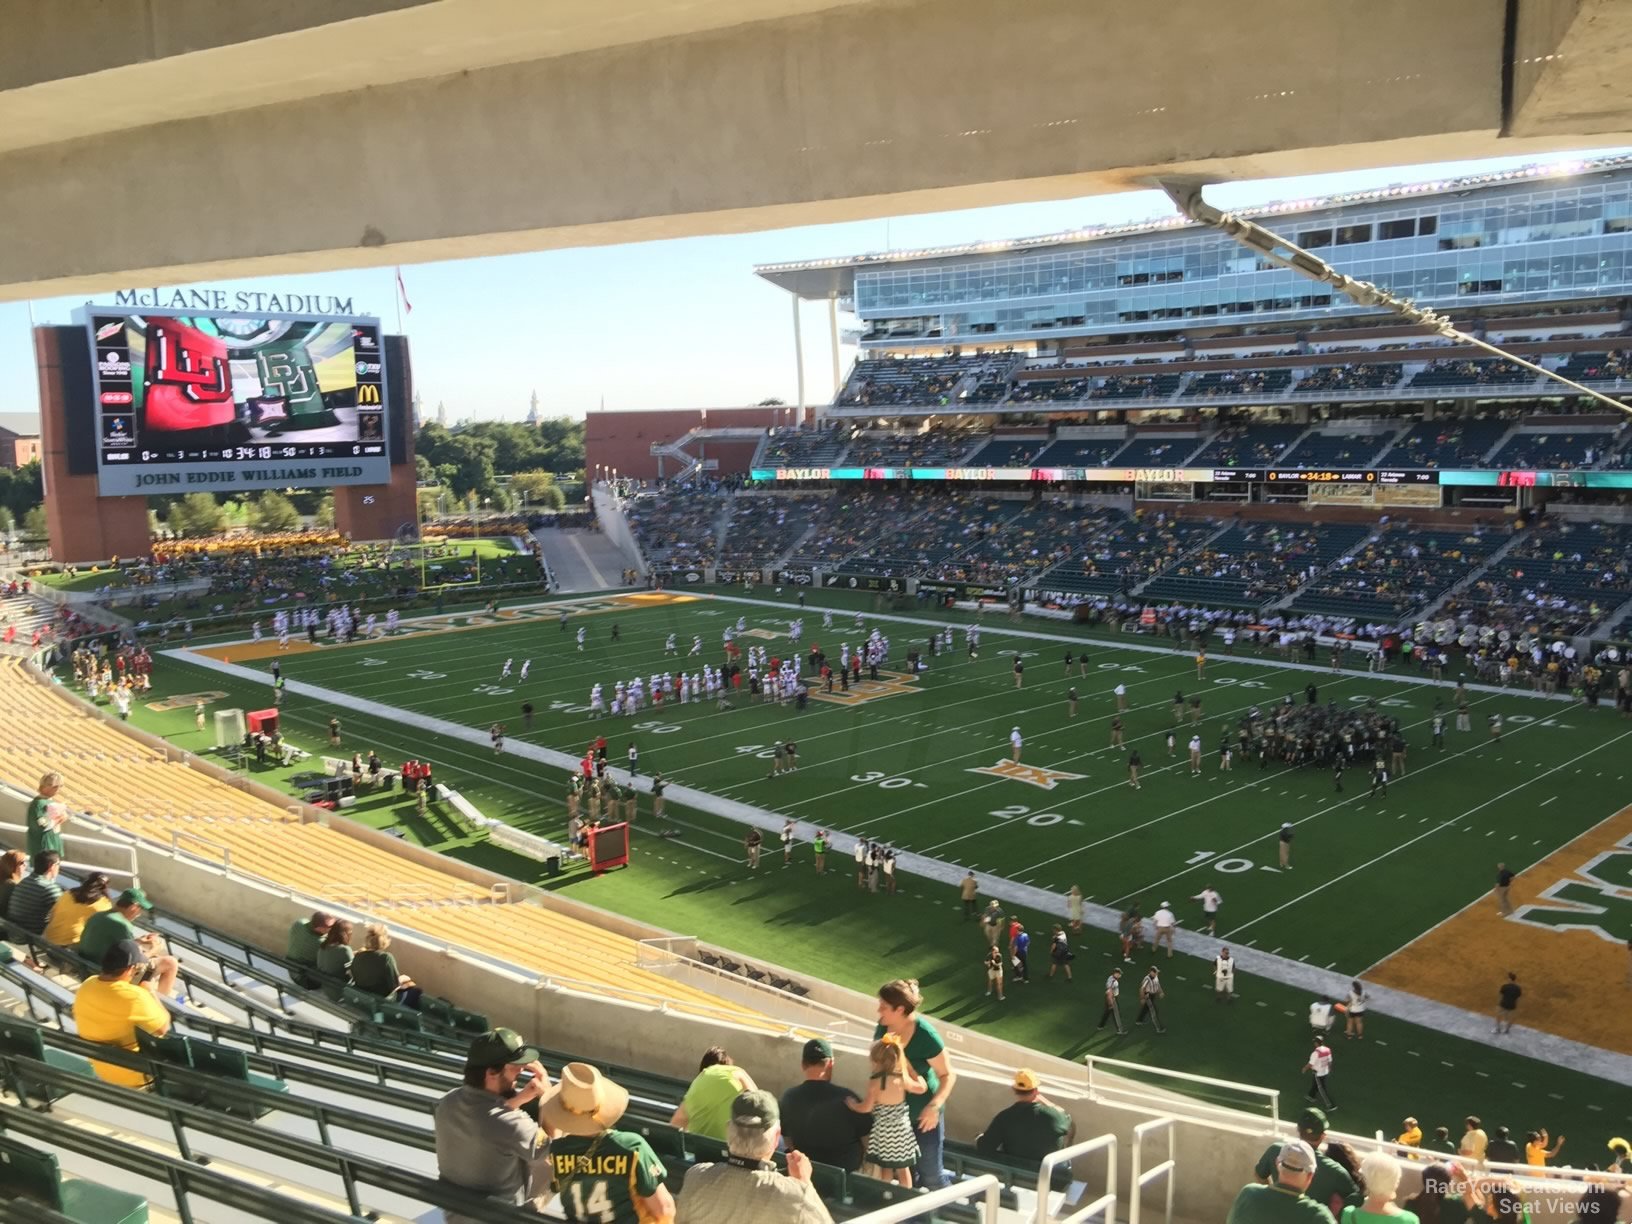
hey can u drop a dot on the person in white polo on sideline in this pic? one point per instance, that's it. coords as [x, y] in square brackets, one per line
[1014, 743]
[1165, 924]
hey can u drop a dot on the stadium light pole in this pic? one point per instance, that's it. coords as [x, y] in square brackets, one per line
[1186, 196]
[833, 346]
[798, 352]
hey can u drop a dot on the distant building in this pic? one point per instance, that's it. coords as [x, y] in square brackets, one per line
[19, 439]
[533, 417]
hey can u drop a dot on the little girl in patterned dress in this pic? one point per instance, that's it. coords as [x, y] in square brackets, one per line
[892, 1147]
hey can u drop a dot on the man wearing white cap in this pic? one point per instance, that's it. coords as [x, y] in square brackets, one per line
[1165, 924]
[1014, 743]
[604, 1176]
[1283, 1201]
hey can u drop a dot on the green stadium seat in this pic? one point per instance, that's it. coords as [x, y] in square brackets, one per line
[703, 1149]
[29, 1173]
[669, 1142]
[27, 1040]
[222, 1062]
[865, 1193]
[829, 1181]
[382, 1011]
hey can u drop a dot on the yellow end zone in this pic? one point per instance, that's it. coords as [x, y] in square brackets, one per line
[248, 652]
[654, 599]
[1566, 939]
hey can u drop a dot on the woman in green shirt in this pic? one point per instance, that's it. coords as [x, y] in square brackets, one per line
[334, 959]
[898, 1004]
[375, 970]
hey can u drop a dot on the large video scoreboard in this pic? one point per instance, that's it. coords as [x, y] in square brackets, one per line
[188, 401]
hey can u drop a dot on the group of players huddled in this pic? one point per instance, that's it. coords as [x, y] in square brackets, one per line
[768, 677]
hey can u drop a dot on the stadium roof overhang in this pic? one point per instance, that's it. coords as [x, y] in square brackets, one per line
[150, 143]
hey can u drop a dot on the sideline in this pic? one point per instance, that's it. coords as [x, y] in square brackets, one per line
[1318, 983]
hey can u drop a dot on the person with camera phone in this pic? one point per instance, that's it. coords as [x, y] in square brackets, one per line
[110, 1007]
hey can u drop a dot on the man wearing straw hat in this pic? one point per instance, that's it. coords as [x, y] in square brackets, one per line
[604, 1176]
[484, 1142]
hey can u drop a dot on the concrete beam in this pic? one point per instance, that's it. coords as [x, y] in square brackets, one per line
[1570, 68]
[82, 68]
[836, 114]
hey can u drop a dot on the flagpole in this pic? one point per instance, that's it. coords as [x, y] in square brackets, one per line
[396, 294]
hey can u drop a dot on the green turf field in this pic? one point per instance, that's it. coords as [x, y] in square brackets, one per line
[1369, 874]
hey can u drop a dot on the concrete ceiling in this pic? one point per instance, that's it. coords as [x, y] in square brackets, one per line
[163, 141]
[85, 67]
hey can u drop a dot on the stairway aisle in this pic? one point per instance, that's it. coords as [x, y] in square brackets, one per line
[582, 561]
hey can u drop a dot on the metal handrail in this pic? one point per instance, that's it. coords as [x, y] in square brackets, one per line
[1273, 1096]
[352, 1170]
[1163, 1172]
[175, 845]
[129, 851]
[1105, 1202]
[922, 1205]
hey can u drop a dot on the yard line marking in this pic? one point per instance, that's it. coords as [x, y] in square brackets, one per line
[1482, 1074]
[1547, 800]
[1430, 832]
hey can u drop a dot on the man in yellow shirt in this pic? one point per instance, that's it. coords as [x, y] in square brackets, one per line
[1411, 1136]
[1474, 1140]
[110, 1007]
[1535, 1148]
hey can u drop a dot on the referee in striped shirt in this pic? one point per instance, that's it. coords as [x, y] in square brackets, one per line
[1113, 988]
[1150, 990]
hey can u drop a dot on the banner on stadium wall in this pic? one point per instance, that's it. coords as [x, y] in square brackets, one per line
[1311, 477]
[964, 590]
[1424, 497]
[687, 577]
[864, 582]
[798, 576]
[1342, 495]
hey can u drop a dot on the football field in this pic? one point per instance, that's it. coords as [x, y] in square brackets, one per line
[922, 762]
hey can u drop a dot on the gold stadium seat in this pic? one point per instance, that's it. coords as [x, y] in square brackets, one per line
[123, 782]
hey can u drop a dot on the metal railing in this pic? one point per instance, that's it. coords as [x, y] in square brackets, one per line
[351, 1170]
[1124, 1090]
[1141, 1177]
[1105, 1203]
[118, 849]
[987, 1188]
[177, 835]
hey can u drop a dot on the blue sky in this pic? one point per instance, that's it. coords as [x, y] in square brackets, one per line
[677, 324]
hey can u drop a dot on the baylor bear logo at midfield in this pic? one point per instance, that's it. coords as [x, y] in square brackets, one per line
[1597, 899]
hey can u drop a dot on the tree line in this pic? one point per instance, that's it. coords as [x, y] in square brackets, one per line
[504, 464]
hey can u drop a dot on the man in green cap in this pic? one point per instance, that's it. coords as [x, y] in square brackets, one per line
[484, 1141]
[746, 1187]
[109, 927]
[1331, 1183]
